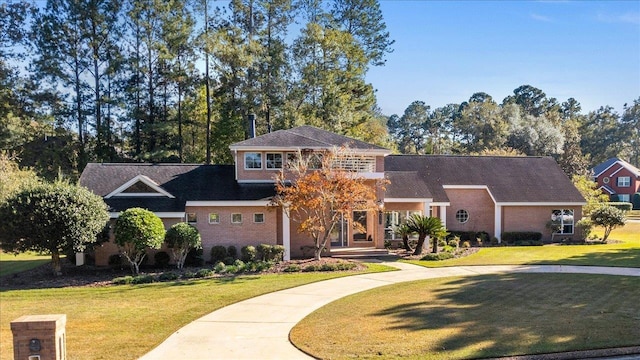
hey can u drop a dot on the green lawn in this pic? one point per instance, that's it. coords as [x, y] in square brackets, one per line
[477, 317]
[124, 322]
[625, 253]
[12, 264]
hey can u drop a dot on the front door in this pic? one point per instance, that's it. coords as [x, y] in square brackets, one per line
[340, 233]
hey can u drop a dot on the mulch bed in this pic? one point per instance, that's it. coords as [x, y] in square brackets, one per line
[90, 276]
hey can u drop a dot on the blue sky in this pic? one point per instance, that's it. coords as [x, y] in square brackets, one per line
[447, 50]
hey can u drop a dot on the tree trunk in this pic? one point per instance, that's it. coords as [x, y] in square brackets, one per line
[405, 243]
[435, 245]
[418, 249]
[55, 263]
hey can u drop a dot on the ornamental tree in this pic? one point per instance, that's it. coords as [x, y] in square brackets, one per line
[315, 192]
[137, 230]
[51, 217]
[609, 218]
[426, 226]
[181, 238]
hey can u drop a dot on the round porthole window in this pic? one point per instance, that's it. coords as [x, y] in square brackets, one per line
[462, 216]
[605, 180]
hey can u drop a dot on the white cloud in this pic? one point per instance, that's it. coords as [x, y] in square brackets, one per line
[542, 18]
[627, 18]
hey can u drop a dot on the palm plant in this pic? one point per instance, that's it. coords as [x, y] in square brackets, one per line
[426, 226]
[404, 231]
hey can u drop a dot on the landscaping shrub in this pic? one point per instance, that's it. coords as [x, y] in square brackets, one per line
[442, 242]
[168, 276]
[181, 238]
[239, 264]
[218, 253]
[228, 260]
[466, 244]
[232, 251]
[438, 256]
[194, 258]
[512, 237]
[264, 251]
[471, 236]
[220, 267]
[161, 259]
[277, 253]
[455, 242]
[449, 249]
[142, 279]
[292, 268]
[624, 206]
[635, 201]
[248, 253]
[188, 275]
[203, 273]
[123, 280]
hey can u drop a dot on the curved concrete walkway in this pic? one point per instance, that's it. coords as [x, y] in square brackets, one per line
[258, 328]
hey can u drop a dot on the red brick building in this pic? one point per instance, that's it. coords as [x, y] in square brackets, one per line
[229, 204]
[618, 179]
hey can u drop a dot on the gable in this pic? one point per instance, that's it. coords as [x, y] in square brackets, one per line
[139, 186]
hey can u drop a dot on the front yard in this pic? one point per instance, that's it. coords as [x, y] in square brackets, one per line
[124, 322]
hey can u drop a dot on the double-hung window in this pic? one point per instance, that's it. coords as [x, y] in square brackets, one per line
[563, 219]
[624, 181]
[274, 160]
[252, 160]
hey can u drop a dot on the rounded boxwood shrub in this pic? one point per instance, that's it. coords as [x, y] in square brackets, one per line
[168, 276]
[202, 273]
[161, 259]
[438, 256]
[218, 253]
[142, 279]
[123, 280]
[115, 260]
[232, 251]
[194, 258]
[248, 253]
[220, 267]
[228, 260]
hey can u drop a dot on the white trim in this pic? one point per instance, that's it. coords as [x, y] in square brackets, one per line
[162, 215]
[235, 203]
[440, 204]
[355, 151]
[371, 175]
[443, 215]
[144, 179]
[607, 190]
[255, 181]
[497, 222]
[407, 200]
[244, 160]
[286, 235]
[607, 168]
[471, 187]
[615, 172]
[541, 204]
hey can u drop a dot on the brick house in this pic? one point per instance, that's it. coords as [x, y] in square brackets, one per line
[618, 179]
[229, 204]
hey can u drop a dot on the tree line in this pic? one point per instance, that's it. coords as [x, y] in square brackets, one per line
[175, 80]
[525, 123]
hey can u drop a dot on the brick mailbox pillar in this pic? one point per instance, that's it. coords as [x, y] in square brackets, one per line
[39, 337]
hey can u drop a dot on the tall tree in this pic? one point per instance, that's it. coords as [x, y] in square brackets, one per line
[631, 123]
[481, 124]
[409, 129]
[602, 135]
[364, 21]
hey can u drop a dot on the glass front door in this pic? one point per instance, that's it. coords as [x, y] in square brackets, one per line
[340, 233]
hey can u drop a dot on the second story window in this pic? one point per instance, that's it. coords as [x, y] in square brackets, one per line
[252, 160]
[624, 181]
[274, 160]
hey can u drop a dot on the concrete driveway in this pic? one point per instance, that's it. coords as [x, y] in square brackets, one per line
[258, 328]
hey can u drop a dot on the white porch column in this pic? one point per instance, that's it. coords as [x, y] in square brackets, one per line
[426, 208]
[498, 222]
[443, 215]
[286, 235]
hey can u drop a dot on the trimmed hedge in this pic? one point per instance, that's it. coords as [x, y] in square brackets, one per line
[624, 206]
[514, 237]
[635, 201]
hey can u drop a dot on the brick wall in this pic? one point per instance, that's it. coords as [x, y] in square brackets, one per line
[48, 329]
[477, 203]
[535, 218]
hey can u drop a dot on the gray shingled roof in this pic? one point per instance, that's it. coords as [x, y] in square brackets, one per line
[406, 185]
[510, 179]
[598, 169]
[305, 137]
[187, 182]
